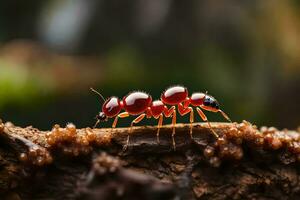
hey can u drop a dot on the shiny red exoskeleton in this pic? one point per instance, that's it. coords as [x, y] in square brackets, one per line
[135, 103]
[141, 104]
[178, 95]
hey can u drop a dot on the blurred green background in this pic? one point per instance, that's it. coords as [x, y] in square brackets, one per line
[244, 53]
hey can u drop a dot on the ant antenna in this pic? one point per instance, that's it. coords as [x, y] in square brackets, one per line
[97, 122]
[98, 93]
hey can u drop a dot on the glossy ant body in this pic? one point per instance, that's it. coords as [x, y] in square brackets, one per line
[141, 104]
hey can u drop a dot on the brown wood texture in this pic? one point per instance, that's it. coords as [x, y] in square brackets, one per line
[244, 163]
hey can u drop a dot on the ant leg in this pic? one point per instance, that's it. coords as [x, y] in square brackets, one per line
[135, 121]
[97, 122]
[225, 115]
[185, 110]
[204, 118]
[168, 113]
[121, 115]
[160, 121]
[191, 122]
[173, 132]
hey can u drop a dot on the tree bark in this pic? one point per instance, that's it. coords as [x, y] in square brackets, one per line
[69, 163]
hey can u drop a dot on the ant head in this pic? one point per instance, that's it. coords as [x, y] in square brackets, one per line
[101, 117]
[211, 102]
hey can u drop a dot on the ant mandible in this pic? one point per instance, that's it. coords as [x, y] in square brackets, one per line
[141, 104]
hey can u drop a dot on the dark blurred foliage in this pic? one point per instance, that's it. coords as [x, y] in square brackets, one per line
[245, 53]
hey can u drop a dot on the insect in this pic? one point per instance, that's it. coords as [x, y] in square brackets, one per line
[141, 105]
[178, 95]
[134, 103]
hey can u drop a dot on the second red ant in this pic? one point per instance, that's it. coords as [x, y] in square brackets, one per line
[141, 104]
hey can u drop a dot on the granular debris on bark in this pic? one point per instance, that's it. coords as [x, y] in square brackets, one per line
[68, 163]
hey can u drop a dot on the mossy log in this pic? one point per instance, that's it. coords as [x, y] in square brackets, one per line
[69, 163]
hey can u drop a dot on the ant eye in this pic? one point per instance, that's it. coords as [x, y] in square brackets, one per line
[217, 105]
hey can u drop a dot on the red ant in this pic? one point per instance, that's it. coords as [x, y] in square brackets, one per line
[141, 104]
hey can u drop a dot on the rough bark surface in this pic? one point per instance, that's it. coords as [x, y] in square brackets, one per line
[245, 163]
